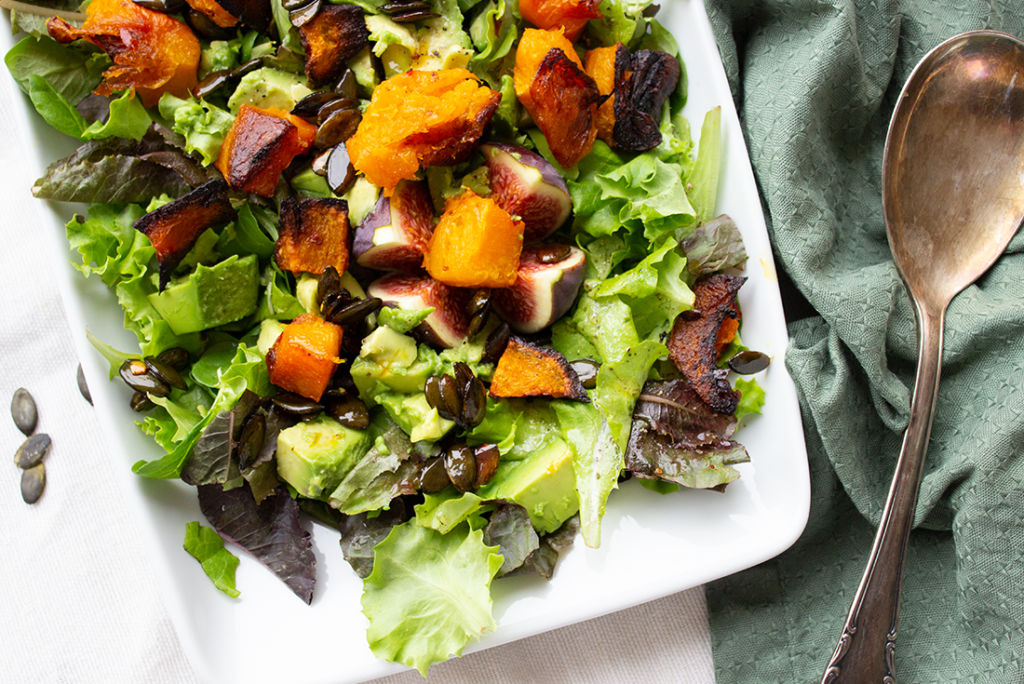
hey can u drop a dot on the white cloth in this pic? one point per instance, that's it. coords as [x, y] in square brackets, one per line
[78, 598]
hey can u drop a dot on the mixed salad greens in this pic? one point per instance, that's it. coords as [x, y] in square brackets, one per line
[446, 325]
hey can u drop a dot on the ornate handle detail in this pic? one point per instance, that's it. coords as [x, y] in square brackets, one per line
[867, 645]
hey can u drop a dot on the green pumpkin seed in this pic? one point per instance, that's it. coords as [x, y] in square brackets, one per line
[23, 411]
[175, 357]
[434, 477]
[82, 386]
[140, 402]
[136, 375]
[32, 451]
[460, 464]
[33, 481]
[165, 372]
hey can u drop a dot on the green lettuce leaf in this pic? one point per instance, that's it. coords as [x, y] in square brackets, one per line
[219, 564]
[203, 124]
[55, 109]
[175, 416]
[751, 398]
[128, 119]
[428, 594]
[447, 510]
[493, 31]
[703, 181]
[622, 21]
[715, 245]
[73, 70]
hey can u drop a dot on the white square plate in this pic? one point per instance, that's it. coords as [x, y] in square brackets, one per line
[652, 545]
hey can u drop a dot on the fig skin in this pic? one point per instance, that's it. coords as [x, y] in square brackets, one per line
[447, 326]
[543, 292]
[526, 185]
[394, 236]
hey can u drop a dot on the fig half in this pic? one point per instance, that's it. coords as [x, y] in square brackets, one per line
[524, 184]
[447, 326]
[547, 282]
[394, 236]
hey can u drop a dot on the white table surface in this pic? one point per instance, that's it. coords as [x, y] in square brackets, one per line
[78, 597]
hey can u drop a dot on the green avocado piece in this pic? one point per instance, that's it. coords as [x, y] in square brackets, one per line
[391, 361]
[210, 295]
[544, 484]
[415, 416]
[268, 87]
[314, 457]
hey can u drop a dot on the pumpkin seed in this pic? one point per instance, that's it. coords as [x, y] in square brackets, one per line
[82, 386]
[347, 86]
[434, 477]
[553, 253]
[308, 106]
[496, 342]
[487, 456]
[32, 451]
[250, 442]
[749, 362]
[350, 412]
[33, 480]
[140, 402]
[214, 82]
[304, 15]
[296, 404]
[175, 357]
[164, 372]
[337, 127]
[329, 282]
[586, 369]
[136, 375]
[474, 404]
[357, 311]
[450, 398]
[341, 174]
[460, 464]
[23, 411]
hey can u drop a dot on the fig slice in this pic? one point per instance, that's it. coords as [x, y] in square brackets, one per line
[547, 282]
[447, 326]
[524, 184]
[394, 236]
[691, 345]
[530, 370]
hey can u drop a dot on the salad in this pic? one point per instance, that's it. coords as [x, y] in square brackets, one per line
[436, 274]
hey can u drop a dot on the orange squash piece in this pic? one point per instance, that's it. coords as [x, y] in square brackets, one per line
[212, 9]
[420, 118]
[260, 145]
[312, 235]
[476, 244]
[570, 15]
[529, 370]
[303, 358]
[152, 52]
[606, 66]
[560, 97]
[332, 37]
[173, 228]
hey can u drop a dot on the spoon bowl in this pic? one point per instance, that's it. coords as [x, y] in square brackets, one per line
[953, 196]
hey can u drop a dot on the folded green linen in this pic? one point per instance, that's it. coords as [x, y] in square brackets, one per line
[815, 82]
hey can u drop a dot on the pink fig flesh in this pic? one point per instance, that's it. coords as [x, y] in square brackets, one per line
[447, 326]
[394, 236]
[545, 289]
[525, 185]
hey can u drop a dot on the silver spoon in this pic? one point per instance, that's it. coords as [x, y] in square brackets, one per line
[953, 196]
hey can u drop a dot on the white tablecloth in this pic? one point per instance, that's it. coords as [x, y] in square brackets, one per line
[78, 598]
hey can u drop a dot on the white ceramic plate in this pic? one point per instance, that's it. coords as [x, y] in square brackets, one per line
[652, 546]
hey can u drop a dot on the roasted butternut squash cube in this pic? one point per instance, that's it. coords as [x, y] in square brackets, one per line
[174, 228]
[529, 370]
[332, 37]
[560, 97]
[476, 244]
[214, 12]
[312, 235]
[152, 52]
[570, 15]
[260, 145]
[607, 66]
[304, 356]
[420, 118]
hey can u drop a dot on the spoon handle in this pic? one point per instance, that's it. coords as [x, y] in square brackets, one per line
[868, 642]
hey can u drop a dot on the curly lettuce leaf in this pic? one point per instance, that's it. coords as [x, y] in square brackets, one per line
[429, 594]
[219, 564]
[751, 398]
[204, 125]
[127, 118]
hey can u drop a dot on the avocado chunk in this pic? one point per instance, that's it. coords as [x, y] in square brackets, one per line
[544, 484]
[210, 295]
[415, 416]
[391, 361]
[268, 87]
[314, 457]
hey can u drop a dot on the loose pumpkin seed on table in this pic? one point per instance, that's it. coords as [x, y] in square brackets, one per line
[32, 451]
[24, 411]
[33, 481]
[83, 387]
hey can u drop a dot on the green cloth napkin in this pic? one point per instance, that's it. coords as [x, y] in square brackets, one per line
[815, 82]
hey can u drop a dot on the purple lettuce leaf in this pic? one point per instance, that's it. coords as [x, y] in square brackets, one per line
[270, 531]
[510, 530]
